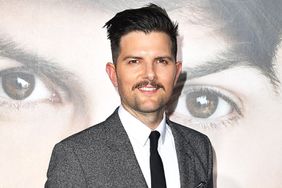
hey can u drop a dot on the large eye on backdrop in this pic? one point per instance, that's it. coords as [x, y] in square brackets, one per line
[200, 104]
[18, 85]
[21, 85]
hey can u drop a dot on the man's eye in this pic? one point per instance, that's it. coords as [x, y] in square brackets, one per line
[133, 61]
[208, 105]
[162, 61]
[22, 86]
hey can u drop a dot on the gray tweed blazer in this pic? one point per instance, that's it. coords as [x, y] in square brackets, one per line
[102, 156]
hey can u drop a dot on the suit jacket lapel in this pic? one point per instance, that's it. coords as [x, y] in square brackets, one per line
[190, 175]
[120, 146]
[184, 156]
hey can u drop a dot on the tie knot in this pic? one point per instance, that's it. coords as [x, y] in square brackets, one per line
[154, 138]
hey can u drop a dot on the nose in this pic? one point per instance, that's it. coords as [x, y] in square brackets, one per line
[150, 71]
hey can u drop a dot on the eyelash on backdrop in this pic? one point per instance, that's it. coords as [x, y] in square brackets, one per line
[42, 88]
[225, 98]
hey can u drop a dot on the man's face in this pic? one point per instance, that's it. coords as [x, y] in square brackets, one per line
[236, 107]
[145, 72]
[49, 64]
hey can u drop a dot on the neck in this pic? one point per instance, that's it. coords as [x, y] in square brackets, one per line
[150, 119]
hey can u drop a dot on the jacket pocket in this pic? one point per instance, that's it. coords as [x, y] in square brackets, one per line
[201, 185]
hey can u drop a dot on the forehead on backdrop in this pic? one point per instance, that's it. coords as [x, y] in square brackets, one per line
[53, 82]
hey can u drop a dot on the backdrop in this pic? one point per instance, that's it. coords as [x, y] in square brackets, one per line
[53, 82]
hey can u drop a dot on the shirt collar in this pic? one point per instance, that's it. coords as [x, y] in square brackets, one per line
[162, 129]
[138, 131]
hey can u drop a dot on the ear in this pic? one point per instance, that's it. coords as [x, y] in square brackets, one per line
[178, 71]
[111, 70]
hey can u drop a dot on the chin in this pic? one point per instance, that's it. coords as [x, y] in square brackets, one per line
[149, 109]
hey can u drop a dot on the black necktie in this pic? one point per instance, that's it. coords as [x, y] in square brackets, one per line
[156, 165]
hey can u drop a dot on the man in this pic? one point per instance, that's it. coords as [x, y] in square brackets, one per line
[119, 152]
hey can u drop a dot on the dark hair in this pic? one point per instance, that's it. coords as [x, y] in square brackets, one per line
[253, 28]
[145, 19]
[255, 25]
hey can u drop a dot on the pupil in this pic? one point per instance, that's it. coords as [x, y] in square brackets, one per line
[18, 85]
[201, 105]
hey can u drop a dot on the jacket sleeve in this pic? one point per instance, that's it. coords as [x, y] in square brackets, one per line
[210, 164]
[64, 169]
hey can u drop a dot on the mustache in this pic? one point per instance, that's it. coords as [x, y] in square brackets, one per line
[147, 82]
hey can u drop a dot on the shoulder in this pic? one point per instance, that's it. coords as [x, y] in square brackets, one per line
[78, 154]
[98, 133]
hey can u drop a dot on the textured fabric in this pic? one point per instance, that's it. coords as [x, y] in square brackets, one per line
[156, 164]
[102, 156]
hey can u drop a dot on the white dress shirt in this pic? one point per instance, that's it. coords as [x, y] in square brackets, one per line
[138, 134]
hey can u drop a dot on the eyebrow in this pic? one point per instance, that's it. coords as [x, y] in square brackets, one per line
[158, 57]
[209, 68]
[131, 57]
[221, 64]
[58, 75]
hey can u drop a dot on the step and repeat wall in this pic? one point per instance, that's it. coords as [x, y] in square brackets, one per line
[53, 82]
